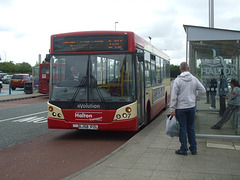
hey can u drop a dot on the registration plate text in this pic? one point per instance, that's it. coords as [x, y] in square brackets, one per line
[88, 126]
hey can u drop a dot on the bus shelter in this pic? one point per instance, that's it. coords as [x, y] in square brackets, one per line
[213, 53]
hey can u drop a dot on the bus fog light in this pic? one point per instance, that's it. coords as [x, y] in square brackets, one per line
[59, 115]
[118, 116]
[124, 115]
[54, 114]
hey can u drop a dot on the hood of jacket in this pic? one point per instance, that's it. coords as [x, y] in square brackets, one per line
[185, 76]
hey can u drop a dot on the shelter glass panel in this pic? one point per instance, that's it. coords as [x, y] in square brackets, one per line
[215, 63]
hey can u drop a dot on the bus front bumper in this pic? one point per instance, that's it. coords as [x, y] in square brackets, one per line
[121, 125]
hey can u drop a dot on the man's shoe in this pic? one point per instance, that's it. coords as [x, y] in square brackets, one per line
[181, 152]
[194, 152]
[215, 127]
[212, 108]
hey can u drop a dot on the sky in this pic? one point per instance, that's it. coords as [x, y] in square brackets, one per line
[26, 25]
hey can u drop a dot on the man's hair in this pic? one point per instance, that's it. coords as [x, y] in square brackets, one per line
[184, 66]
[235, 82]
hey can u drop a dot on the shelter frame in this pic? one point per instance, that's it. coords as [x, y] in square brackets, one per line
[211, 52]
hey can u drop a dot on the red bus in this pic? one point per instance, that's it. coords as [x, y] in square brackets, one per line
[122, 81]
[44, 75]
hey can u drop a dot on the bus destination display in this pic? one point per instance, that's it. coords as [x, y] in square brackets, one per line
[90, 43]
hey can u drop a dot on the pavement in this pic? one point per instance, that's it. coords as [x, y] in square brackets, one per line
[150, 154]
[18, 94]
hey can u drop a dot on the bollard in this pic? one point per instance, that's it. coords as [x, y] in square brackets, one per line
[9, 89]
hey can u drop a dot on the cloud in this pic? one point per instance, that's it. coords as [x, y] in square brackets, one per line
[6, 28]
[6, 3]
[29, 23]
[18, 35]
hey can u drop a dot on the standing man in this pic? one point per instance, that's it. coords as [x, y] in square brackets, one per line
[29, 78]
[213, 92]
[183, 99]
[207, 87]
[223, 87]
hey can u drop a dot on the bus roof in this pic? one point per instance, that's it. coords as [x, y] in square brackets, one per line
[92, 33]
[149, 47]
[133, 37]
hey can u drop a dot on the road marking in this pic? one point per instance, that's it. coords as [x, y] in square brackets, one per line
[9, 119]
[33, 119]
[223, 146]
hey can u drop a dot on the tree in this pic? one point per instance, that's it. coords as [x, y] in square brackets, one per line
[7, 67]
[37, 63]
[174, 71]
[11, 68]
[24, 68]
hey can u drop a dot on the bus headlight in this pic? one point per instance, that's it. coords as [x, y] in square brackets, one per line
[55, 112]
[124, 115]
[118, 116]
[126, 112]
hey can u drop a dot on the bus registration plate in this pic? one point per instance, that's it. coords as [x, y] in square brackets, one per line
[87, 126]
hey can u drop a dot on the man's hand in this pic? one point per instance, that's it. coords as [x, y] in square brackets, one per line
[172, 114]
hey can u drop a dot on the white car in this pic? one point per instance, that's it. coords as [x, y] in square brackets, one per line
[6, 79]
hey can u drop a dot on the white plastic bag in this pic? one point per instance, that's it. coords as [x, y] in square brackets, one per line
[172, 126]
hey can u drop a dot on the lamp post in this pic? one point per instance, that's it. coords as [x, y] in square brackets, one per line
[5, 56]
[116, 26]
[211, 13]
[150, 38]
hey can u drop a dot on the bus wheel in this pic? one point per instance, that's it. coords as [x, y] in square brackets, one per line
[166, 100]
[13, 88]
[148, 114]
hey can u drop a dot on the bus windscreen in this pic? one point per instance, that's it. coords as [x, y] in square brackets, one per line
[90, 43]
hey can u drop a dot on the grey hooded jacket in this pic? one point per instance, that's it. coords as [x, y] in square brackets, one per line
[186, 90]
[234, 96]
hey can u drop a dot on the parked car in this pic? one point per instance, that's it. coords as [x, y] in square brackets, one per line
[18, 81]
[6, 79]
[2, 75]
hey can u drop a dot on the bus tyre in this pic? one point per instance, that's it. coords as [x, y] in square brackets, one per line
[166, 102]
[13, 88]
[148, 115]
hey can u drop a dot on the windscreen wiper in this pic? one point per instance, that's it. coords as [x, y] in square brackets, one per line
[100, 94]
[81, 84]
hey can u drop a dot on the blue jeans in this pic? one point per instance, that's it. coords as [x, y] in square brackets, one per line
[185, 118]
[213, 95]
[227, 114]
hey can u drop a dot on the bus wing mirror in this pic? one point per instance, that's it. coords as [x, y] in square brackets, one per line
[140, 57]
[48, 57]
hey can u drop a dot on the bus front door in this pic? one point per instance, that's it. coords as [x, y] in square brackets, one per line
[140, 95]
